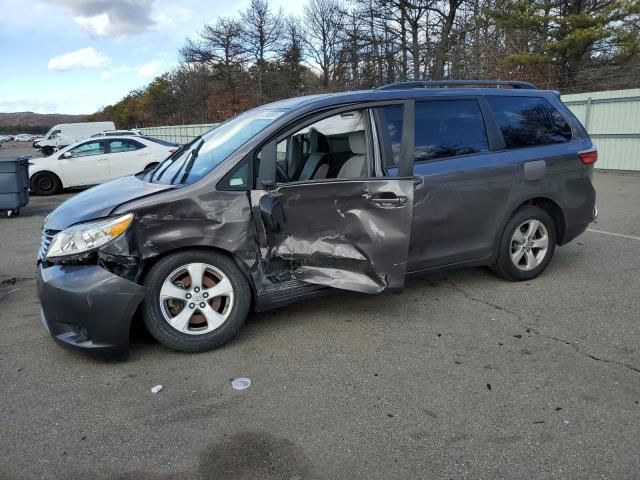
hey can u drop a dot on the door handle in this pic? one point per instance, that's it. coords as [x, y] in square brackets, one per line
[389, 200]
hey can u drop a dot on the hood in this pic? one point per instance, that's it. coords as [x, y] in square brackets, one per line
[98, 202]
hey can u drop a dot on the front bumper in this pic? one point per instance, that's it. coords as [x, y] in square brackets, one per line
[85, 307]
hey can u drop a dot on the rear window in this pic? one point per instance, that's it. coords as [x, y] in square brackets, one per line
[529, 121]
[161, 142]
[448, 128]
[117, 146]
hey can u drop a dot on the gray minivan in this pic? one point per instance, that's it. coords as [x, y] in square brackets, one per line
[286, 201]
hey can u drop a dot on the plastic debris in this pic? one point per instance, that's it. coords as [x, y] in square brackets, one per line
[156, 389]
[241, 383]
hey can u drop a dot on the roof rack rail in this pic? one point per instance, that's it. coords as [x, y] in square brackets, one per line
[458, 83]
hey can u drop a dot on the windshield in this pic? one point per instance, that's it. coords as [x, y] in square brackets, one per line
[203, 154]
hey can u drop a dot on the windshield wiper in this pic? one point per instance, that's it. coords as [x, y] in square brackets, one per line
[189, 161]
[159, 172]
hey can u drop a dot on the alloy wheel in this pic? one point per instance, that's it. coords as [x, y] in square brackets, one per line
[529, 245]
[196, 298]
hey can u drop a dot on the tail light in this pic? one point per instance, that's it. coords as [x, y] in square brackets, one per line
[588, 157]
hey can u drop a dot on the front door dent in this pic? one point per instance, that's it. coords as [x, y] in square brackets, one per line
[348, 234]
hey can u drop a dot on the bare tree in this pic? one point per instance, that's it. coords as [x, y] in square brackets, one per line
[323, 20]
[293, 53]
[262, 30]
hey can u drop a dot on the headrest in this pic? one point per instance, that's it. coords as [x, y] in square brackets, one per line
[358, 143]
[317, 142]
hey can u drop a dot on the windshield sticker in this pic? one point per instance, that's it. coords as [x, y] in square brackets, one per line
[270, 114]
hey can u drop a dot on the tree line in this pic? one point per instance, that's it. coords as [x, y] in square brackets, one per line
[261, 54]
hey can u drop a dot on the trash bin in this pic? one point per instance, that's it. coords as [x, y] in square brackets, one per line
[14, 184]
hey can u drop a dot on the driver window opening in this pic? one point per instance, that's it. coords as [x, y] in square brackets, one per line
[335, 147]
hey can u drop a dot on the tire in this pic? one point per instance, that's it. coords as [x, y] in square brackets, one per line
[196, 329]
[45, 183]
[529, 258]
[46, 151]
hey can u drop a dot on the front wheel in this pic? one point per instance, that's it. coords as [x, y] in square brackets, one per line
[45, 183]
[527, 244]
[197, 300]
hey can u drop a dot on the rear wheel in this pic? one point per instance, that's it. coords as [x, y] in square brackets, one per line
[527, 244]
[45, 183]
[197, 300]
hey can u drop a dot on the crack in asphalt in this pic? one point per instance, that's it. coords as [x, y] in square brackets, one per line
[7, 284]
[14, 280]
[536, 332]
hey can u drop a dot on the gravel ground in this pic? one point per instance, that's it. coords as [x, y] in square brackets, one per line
[461, 376]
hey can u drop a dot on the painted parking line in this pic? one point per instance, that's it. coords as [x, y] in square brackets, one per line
[613, 234]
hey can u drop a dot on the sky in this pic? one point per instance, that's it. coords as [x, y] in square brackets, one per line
[76, 56]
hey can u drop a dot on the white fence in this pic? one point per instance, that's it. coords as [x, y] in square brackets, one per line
[612, 119]
[178, 133]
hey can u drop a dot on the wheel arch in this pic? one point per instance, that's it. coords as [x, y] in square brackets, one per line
[149, 262]
[548, 205]
[39, 172]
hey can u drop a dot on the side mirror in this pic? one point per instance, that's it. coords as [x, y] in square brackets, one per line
[65, 155]
[272, 213]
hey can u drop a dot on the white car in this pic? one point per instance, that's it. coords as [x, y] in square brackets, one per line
[96, 160]
[23, 137]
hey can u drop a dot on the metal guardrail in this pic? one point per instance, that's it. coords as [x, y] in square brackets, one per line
[180, 134]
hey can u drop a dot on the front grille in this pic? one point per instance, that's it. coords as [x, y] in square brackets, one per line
[47, 236]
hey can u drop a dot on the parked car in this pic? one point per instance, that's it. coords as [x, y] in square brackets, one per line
[64, 134]
[94, 161]
[351, 191]
[5, 138]
[23, 137]
[119, 133]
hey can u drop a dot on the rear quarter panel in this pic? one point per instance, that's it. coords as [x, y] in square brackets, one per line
[566, 181]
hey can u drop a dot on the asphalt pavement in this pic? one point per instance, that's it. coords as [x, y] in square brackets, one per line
[461, 376]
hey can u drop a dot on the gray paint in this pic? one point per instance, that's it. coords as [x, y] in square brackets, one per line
[341, 234]
[293, 240]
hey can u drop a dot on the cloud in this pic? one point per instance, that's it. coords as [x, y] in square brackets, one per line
[27, 104]
[111, 72]
[150, 69]
[111, 18]
[172, 17]
[79, 104]
[87, 57]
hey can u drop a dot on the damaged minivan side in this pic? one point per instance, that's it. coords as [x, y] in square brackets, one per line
[351, 191]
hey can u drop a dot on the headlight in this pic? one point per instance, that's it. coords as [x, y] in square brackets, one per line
[88, 236]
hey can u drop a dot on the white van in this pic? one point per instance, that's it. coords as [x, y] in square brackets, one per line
[65, 134]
